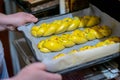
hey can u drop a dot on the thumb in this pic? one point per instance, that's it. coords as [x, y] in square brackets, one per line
[38, 65]
[31, 19]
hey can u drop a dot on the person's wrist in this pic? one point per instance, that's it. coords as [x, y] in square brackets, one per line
[3, 19]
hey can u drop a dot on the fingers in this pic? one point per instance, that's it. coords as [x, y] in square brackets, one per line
[51, 76]
[31, 18]
[20, 18]
[54, 76]
[36, 71]
[39, 66]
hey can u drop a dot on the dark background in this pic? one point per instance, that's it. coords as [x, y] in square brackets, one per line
[111, 7]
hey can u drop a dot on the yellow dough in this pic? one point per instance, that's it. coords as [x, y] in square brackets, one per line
[59, 56]
[108, 41]
[58, 43]
[63, 25]
[53, 46]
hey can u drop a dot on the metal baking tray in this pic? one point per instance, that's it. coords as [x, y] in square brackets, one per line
[106, 19]
[28, 57]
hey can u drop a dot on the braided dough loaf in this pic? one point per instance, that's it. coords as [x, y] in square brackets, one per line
[58, 43]
[66, 24]
[111, 40]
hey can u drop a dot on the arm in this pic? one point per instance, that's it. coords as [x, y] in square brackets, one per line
[3, 18]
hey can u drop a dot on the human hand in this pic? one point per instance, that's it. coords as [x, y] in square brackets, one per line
[36, 71]
[20, 18]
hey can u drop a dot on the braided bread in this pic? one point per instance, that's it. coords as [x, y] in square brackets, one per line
[66, 24]
[58, 43]
[108, 41]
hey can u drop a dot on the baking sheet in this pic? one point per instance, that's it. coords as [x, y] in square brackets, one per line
[81, 57]
[28, 57]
